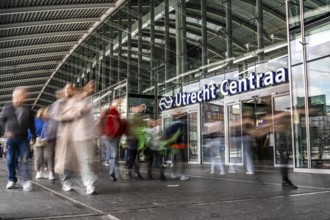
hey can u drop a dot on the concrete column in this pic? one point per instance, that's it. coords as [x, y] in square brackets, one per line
[111, 59]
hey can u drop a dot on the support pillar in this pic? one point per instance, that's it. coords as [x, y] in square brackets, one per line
[260, 30]
[178, 27]
[204, 37]
[229, 32]
[139, 46]
[167, 42]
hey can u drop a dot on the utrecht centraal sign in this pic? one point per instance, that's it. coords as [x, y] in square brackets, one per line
[227, 87]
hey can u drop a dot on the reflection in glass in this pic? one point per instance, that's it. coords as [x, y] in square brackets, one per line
[319, 112]
[235, 133]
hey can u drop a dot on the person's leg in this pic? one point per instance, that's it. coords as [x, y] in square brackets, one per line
[106, 146]
[114, 143]
[24, 149]
[49, 157]
[38, 159]
[247, 148]
[85, 151]
[11, 159]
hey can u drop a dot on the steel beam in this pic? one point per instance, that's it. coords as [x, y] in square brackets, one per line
[29, 65]
[48, 22]
[42, 35]
[27, 73]
[139, 46]
[152, 42]
[178, 42]
[62, 53]
[55, 8]
[23, 80]
[37, 46]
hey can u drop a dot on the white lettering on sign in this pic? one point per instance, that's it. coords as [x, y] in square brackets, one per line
[227, 87]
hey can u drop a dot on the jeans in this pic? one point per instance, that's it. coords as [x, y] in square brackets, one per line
[111, 145]
[17, 148]
[247, 148]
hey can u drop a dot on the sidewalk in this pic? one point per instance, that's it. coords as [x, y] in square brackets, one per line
[204, 196]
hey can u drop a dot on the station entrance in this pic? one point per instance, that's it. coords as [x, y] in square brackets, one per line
[258, 116]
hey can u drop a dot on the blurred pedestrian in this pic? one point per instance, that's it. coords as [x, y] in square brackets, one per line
[280, 124]
[17, 119]
[111, 127]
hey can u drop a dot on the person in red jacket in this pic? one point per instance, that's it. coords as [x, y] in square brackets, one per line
[111, 126]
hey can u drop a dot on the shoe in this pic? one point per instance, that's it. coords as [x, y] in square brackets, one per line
[231, 171]
[212, 172]
[39, 175]
[164, 164]
[106, 163]
[67, 186]
[149, 176]
[222, 173]
[288, 184]
[51, 176]
[173, 176]
[90, 190]
[27, 186]
[250, 173]
[184, 178]
[113, 177]
[139, 176]
[10, 185]
[162, 177]
[129, 174]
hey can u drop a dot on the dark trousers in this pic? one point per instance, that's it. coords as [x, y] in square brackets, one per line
[154, 158]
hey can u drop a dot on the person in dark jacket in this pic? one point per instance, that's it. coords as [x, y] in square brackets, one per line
[17, 119]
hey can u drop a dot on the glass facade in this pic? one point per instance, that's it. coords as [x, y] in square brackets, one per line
[309, 53]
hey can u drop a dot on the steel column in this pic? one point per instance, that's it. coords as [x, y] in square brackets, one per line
[167, 48]
[111, 60]
[204, 36]
[139, 46]
[178, 27]
[229, 32]
[129, 41]
[183, 37]
[152, 41]
[260, 31]
[119, 47]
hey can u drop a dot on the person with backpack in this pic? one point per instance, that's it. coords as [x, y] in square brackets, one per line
[111, 127]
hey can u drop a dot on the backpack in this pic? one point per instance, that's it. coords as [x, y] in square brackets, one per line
[114, 126]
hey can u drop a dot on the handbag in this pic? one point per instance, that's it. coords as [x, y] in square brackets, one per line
[39, 142]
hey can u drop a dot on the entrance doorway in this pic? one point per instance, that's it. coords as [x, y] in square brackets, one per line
[190, 117]
[255, 110]
[269, 147]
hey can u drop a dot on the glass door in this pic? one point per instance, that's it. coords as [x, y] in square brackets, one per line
[282, 131]
[234, 133]
[191, 131]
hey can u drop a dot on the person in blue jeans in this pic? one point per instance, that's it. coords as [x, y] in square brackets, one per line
[17, 119]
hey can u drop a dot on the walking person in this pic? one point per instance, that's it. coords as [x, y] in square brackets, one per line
[111, 128]
[17, 119]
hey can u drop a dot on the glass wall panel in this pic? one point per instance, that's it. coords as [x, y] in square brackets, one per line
[319, 111]
[318, 41]
[299, 122]
[235, 133]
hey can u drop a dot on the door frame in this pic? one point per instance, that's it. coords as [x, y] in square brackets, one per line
[274, 150]
[275, 91]
[188, 109]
